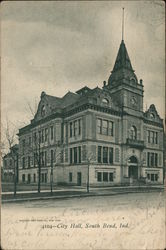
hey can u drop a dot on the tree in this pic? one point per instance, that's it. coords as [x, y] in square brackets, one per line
[9, 144]
[89, 158]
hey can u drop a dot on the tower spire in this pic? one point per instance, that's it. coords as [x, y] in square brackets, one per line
[122, 24]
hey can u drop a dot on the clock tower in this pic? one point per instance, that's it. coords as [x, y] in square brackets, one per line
[123, 84]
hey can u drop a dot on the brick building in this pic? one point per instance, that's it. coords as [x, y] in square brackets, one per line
[100, 134]
[10, 165]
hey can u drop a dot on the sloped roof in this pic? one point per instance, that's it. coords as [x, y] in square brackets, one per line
[122, 59]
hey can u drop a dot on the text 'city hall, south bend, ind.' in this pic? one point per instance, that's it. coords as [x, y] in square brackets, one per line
[100, 135]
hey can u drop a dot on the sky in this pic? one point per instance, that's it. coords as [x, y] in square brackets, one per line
[57, 46]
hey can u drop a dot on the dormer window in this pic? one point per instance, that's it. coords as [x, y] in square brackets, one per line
[105, 101]
[132, 80]
[43, 110]
[152, 116]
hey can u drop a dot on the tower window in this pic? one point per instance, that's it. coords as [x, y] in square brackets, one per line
[133, 133]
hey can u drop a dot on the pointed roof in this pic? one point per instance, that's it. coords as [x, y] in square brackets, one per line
[122, 59]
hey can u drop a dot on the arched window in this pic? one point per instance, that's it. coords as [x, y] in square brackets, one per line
[133, 133]
[105, 101]
[43, 110]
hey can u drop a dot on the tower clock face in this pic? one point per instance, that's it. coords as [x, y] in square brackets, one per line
[133, 101]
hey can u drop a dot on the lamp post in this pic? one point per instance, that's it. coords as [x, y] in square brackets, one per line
[51, 174]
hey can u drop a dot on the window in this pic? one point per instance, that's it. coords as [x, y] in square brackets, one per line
[75, 155]
[99, 126]
[23, 162]
[52, 132]
[105, 127]
[105, 154]
[79, 154]
[99, 176]
[43, 110]
[75, 128]
[133, 133]
[29, 141]
[46, 134]
[152, 159]
[152, 177]
[34, 177]
[110, 155]
[23, 178]
[111, 177]
[70, 177]
[35, 159]
[45, 158]
[34, 137]
[52, 157]
[71, 156]
[152, 137]
[105, 176]
[79, 126]
[29, 161]
[29, 178]
[99, 154]
[71, 129]
[42, 135]
[105, 101]
[110, 128]
[39, 136]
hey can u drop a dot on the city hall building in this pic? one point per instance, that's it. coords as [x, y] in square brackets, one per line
[100, 134]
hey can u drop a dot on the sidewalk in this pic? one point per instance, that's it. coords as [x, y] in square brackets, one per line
[76, 192]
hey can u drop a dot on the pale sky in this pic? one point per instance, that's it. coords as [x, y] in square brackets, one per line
[60, 46]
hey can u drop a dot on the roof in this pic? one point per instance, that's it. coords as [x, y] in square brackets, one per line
[122, 59]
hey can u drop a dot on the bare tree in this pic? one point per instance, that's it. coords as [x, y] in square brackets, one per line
[8, 143]
[89, 158]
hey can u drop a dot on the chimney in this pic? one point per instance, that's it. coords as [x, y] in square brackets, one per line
[141, 81]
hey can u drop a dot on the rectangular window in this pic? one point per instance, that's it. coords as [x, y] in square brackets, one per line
[23, 162]
[105, 154]
[99, 176]
[79, 126]
[105, 176]
[148, 136]
[23, 178]
[99, 154]
[29, 161]
[152, 177]
[45, 158]
[75, 155]
[111, 177]
[105, 127]
[148, 176]
[70, 177]
[110, 128]
[156, 177]
[75, 128]
[71, 156]
[99, 126]
[71, 129]
[156, 160]
[29, 141]
[156, 138]
[79, 154]
[52, 157]
[110, 155]
[34, 177]
[42, 136]
[52, 132]
[39, 136]
[46, 134]
[34, 136]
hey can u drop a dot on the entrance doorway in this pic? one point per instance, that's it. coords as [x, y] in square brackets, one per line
[133, 167]
[79, 179]
[133, 172]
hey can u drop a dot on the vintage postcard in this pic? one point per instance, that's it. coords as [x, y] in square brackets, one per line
[82, 125]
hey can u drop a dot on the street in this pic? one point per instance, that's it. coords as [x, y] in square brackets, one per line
[128, 221]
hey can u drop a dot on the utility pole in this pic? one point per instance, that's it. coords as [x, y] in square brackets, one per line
[88, 177]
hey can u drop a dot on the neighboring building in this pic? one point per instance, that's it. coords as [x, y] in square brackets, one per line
[10, 164]
[105, 129]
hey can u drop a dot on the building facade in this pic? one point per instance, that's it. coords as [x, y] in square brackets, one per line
[101, 135]
[10, 165]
